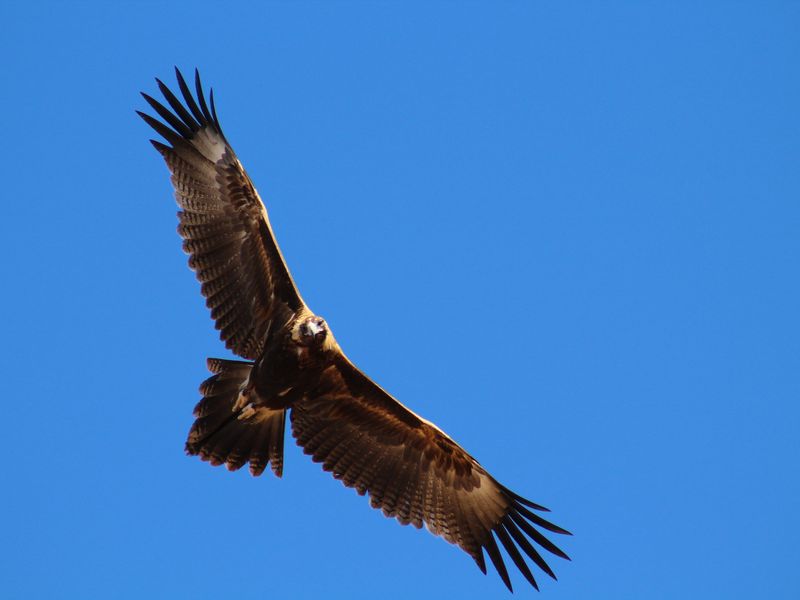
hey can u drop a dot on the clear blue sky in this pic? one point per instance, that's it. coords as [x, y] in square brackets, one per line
[602, 203]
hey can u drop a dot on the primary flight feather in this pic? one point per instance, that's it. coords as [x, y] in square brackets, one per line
[410, 468]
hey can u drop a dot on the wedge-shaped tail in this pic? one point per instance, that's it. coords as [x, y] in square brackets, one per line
[228, 432]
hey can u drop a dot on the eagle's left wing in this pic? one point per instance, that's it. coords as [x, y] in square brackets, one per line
[414, 472]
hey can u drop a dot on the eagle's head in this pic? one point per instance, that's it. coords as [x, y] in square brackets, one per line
[312, 332]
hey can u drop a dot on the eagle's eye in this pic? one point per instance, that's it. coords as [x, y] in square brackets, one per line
[312, 330]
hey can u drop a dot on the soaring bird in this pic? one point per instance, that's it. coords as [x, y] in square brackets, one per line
[411, 469]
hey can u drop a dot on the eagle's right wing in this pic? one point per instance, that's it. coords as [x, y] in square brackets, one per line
[223, 222]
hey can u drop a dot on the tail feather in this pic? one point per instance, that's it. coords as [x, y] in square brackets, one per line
[242, 449]
[272, 453]
[223, 434]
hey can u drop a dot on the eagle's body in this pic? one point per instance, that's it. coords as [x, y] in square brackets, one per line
[293, 360]
[292, 364]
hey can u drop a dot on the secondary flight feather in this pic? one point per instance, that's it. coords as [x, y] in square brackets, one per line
[410, 468]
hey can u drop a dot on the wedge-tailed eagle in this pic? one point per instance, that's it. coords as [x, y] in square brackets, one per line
[410, 468]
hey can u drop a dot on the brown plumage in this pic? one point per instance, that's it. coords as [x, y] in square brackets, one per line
[409, 467]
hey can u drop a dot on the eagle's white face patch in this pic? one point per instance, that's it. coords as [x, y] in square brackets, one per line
[314, 327]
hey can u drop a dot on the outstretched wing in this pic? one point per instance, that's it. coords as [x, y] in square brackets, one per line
[414, 472]
[223, 223]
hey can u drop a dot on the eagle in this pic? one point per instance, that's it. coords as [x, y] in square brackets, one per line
[291, 363]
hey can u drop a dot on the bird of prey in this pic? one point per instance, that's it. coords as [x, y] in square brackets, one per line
[412, 470]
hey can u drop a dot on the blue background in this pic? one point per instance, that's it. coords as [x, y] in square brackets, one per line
[569, 235]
